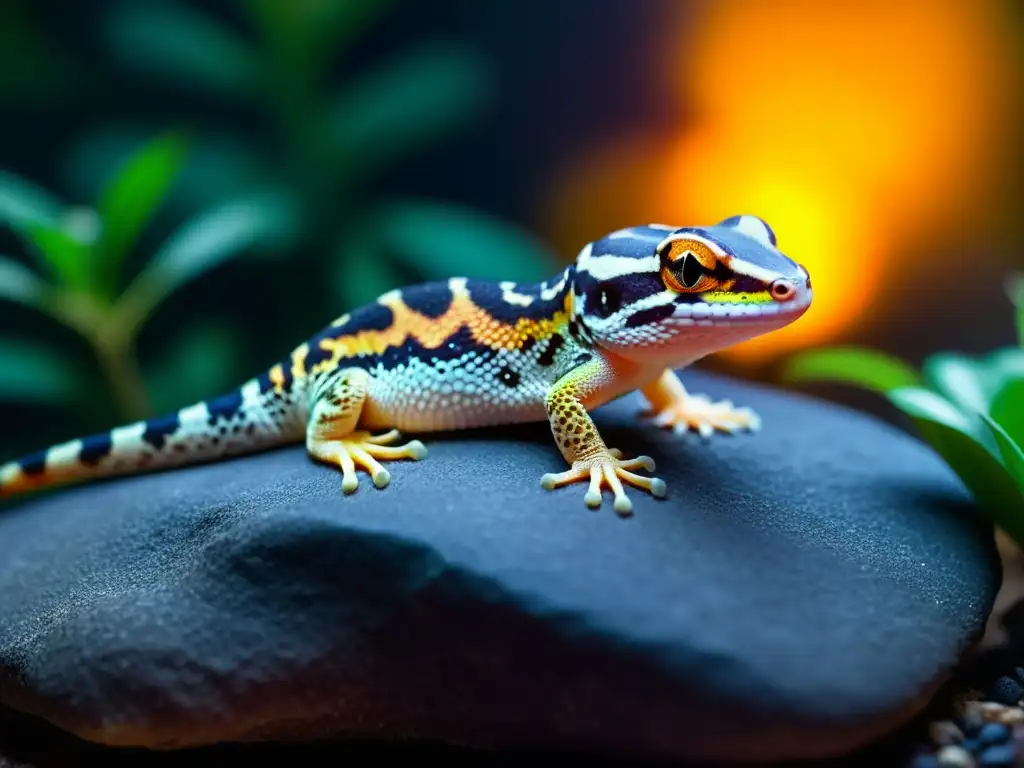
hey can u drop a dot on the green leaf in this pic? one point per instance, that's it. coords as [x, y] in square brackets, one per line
[968, 382]
[425, 93]
[204, 360]
[360, 274]
[32, 373]
[132, 197]
[68, 258]
[1008, 408]
[949, 432]
[24, 204]
[181, 44]
[204, 243]
[305, 32]
[216, 167]
[21, 285]
[1012, 455]
[443, 240]
[857, 366]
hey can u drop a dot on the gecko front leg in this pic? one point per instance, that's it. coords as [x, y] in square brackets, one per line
[584, 449]
[675, 408]
[332, 436]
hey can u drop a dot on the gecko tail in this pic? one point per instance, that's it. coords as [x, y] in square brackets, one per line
[249, 419]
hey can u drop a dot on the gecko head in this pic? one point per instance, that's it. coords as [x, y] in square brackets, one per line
[671, 296]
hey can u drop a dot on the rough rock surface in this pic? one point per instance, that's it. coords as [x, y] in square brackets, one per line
[800, 592]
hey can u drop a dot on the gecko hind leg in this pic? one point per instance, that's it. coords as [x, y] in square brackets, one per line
[332, 436]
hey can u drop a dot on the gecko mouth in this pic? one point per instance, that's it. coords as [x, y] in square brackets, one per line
[725, 314]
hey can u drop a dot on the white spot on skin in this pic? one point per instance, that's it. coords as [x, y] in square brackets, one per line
[609, 266]
[390, 297]
[753, 227]
[9, 473]
[129, 438]
[63, 454]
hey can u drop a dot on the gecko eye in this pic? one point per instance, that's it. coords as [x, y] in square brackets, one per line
[692, 270]
[607, 300]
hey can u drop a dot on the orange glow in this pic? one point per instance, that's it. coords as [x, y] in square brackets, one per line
[852, 127]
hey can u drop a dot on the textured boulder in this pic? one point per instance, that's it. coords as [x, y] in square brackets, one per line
[800, 592]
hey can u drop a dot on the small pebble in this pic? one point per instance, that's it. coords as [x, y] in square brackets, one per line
[993, 712]
[970, 722]
[972, 744]
[1000, 756]
[945, 732]
[1005, 690]
[955, 757]
[925, 760]
[993, 733]
[1019, 674]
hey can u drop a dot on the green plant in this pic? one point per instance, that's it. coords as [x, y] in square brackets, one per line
[969, 409]
[323, 139]
[81, 279]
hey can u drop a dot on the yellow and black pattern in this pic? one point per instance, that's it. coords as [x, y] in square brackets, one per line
[466, 353]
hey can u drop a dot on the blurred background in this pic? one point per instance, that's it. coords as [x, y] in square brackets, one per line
[190, 188]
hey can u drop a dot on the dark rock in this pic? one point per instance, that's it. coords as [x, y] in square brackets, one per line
[1004, 690]
[800, 592]
[1019, 674]
[1000, 756]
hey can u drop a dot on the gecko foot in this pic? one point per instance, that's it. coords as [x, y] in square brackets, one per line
[704, 416]
[362, 449]
[608, 469]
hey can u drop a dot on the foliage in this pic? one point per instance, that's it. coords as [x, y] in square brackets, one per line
[325, 140]
[80, 258]
[969, 409]
[287, 166]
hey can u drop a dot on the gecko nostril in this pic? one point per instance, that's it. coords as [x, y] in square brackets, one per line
[781, 290]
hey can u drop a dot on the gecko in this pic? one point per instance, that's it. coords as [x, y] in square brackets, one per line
[634, 307]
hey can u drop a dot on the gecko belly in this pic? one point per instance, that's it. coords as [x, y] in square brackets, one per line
[427, 396]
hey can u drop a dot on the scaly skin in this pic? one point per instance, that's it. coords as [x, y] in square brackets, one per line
[465, 353]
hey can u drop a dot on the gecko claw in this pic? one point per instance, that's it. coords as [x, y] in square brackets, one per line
[701, 415]
[609, 470]
[361, 449]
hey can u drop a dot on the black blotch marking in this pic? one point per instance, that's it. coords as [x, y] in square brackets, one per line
[95, 448]
[160, 428]
[650, 315]
[508, 377]
[455, 346]
[488, 296]
[547, 357]
[371, 317]
[430, 299]
[34, 463]
[582, 359]
[264, 381]
[746, 284]
[224, 407]
[606, 298]
[528, 344]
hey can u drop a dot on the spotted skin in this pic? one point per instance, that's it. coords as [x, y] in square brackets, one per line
[464, 353]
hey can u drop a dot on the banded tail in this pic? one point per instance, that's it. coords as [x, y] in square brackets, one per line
[252, 418]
